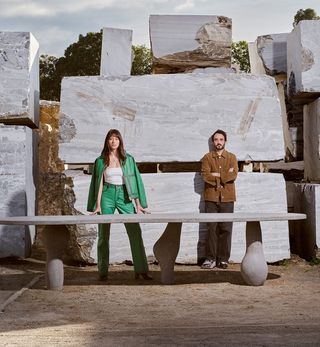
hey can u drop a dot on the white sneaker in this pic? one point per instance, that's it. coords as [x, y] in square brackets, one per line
[208, 264]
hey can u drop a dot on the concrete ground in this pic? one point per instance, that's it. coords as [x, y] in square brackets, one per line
[204, 307]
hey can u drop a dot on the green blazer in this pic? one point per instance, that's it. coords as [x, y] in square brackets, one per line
[132, 180]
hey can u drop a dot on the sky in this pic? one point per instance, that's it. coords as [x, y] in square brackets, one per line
[57, 23]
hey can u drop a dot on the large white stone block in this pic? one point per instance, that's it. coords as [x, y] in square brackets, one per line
[166, 118]
[307, 232]
[311, 139]
[19, 78]
[303, 57]
[116, 52]
[17, 187]
[272, 50]
[182, 192]
[182, 43]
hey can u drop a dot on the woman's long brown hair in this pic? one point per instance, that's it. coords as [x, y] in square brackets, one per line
[106, 151]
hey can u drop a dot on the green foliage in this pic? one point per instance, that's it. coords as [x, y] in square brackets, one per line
[82, 58]
[48, 77]
[142, 62]
[314, 261]
[307, 14]
[240, 55]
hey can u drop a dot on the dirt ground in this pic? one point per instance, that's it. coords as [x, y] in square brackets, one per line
[204, 307]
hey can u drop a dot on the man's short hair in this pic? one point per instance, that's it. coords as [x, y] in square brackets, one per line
[219, 131]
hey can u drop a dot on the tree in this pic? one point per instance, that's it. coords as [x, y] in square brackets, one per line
[240, 55]
[48, 77]
[142, 62]
[307, 14]
[82, 58]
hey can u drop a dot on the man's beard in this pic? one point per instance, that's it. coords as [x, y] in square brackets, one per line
[219, 148]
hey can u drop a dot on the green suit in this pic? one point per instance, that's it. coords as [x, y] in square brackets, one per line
[119, 197]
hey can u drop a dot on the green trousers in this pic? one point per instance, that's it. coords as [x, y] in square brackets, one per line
[115, 197]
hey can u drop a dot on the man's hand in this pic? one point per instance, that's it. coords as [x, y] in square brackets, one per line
[215, 174]
[231, 169]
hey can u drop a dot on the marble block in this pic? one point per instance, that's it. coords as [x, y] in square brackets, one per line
[256, 64]
[165, 118]
[182, 43]
[182, 192]
[19, 79]
[307, 232]
[303, 58]
[17, 187]
[272, 50]
[311, 140]
[116, 52]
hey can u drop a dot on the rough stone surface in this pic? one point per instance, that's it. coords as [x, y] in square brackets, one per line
[307, 232]
[256, 64]
[165, 118]
[169, 192]
[116, 53]
[17, 187]
[311, 139]
[183, 43]
[303, 57]
[272, 50]
[55, 195]
[19, 78]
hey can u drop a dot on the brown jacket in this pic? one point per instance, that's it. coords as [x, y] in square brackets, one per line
[219, 188]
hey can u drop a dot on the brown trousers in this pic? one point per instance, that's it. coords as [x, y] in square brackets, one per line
[218, 240]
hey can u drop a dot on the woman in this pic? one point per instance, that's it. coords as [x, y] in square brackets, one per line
[115, 183]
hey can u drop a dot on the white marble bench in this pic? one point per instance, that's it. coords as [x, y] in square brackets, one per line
[254, 268]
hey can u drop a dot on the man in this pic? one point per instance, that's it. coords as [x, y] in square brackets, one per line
[219, 170]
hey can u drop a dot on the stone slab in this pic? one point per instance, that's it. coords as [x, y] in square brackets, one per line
[116, 52]
[272, 50]
[303, 57]
[256, 64]
[182, 42]
[311, 140]
[307, 232]
[17, 188]
[19, 79]
[168, 193]
[165, 118]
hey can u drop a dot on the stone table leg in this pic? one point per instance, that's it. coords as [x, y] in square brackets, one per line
[254, 269]
[55, 238]
[166, 250]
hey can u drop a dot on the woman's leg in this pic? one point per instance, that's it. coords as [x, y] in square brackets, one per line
[125, 206]
[107, 207]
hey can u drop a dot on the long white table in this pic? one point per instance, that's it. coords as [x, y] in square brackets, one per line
[254, 268]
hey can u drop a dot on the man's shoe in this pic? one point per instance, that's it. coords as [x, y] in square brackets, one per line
[223, 265]
[208, 264]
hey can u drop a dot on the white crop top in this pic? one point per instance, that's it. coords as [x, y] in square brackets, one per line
[113, 175]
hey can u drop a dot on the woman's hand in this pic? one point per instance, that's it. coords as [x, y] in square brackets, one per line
[139, 209]
[96, 211]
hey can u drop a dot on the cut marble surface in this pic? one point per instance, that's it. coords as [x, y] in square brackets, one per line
[181, 42]
[116, 53]
[303, 57]
[272, 50]
[311, 140]
[256, 64]
[256, 192]
[19, 78]
[165, 118]
[17, 188]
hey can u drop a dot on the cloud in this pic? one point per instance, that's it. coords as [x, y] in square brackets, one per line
[184, 6]
[44, 8]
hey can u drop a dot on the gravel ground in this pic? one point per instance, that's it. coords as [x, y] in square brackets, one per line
[204, 307]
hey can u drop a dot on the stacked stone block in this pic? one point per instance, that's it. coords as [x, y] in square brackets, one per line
[19, 95]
